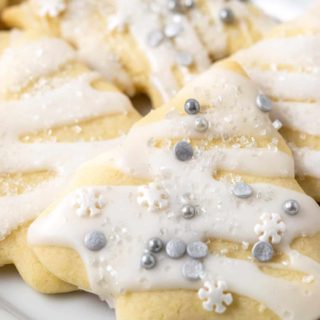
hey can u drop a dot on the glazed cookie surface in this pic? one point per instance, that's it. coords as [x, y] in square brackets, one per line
[153, 47]
[286, 65]
[207, 222]
[55, 114]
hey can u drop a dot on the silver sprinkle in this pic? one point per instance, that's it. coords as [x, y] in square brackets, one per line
[192, 106]
[172, 30]
[201, 124]
[226, 15]
[95, 240]
[291, 207]
[183, 151]
[188, 211]
[264, 103]
[197, 250]
[175, 248]
[155, 38]
[242, 190]
[148, 261]
[262, 251]
[185, 58]
[192, 270]
[155, 245]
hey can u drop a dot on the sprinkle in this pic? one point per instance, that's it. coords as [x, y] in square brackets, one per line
[155, 245]
[271, 228]
[155, 38]
[175, 248]
[214, 296]
[188, 211]
[201, 124]
[264, 103]
[95, 240]
[192, 106]
[277, 124]
[242, 190]
[226, 15]
[262, 251]
[197, 250]
[183, 151]
[88, 203]
[153, 196]
[185, 58]
[172, 30]
[291, 207]
[192, 270]
[148, 261]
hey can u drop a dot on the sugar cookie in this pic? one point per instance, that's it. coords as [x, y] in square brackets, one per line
[158, 45]
[186, 230]
[55, 114]
[286, 66]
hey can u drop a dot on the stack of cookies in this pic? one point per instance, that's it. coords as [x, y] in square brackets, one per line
[204, 208]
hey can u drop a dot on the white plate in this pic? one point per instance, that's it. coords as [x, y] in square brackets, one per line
[18, 301]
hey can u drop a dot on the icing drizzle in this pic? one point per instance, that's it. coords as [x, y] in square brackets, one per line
[183, 43]
[128, 224]
[53, 103]
[284, 72]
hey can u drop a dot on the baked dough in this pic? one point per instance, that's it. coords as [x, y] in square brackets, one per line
[219, 178]
[55, 114]
[148, 47]
[286, 66]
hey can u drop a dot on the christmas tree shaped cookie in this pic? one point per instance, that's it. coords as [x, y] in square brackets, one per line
[151, 46]
[195, 215]
[286, 66]
[55, 114]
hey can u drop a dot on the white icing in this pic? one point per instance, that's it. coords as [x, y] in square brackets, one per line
[51, 8]
[31, 61]
[51, 104]
[128, 226]
[292, 78]
[84, 24]
[88, 24]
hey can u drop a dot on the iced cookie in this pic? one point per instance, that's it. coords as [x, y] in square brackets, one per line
[159, 45]
[55, 114]
[286, 66]
[196, 215]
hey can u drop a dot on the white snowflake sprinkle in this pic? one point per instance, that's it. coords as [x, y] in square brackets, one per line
[88, 203]
[214, 296]
[271, 229]
[153, 197]
[51, 8]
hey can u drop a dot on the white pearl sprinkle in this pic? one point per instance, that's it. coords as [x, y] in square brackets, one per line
[277, 124]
